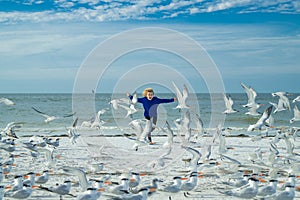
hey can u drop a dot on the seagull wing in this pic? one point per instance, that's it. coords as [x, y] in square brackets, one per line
[42, 113]
[80, 174]
[178, 94]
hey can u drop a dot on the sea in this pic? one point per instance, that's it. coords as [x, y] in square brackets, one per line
[115, 122]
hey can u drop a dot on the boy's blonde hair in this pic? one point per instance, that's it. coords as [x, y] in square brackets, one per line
[147, 90]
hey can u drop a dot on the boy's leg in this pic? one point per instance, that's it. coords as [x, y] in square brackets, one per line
[154, 120]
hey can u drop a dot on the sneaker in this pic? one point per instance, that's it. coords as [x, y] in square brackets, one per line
[151, 143]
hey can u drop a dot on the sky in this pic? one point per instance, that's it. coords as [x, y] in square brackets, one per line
[45, 44]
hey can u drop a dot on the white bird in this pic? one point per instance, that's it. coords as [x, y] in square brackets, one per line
[296, 99]
[181, 97]
[262, 119]
[97, 123]
[29, 179]
[72, 132]
[296, 115]
[10, 129]
[228, 104]
[120, 188]
[287, 194]
[130, 110]
[41, 179]
[137, 127]
[268, 189]
[196, 155]
[247, 191]
[199, 127]
[283, 102]
[91, 194]
[116, 102]
[170, 134]
[251, 94]
[7, 101]
[61, 189]
[191, 183]
[81, 175]
[160, 162]
[238, 182]
[51, 118]
[17, 184]
[134, 180]
[23, 193]
[253, 110]
[173, 187]
[141, 195]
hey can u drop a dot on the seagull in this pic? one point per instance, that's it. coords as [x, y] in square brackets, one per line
[130, 110]
[196, 155]
[170, 134]
[17, 184]
[173, 187]
[7, 101]
[141, 195]
[268, 189]
[134, 181]
[191, 183]
[199, 126]
[116, 102]
[136, 126]
[247, 191]
[29, 179]
[296, 115]
[287, 194]
[261, 120]
[10, 129]
[238, 182]
[283, 102]
[41, 179]
[80, 174]
[251, 94]
[296, 99]
[98, 122]
[253, 110]
[228, 105]
[72, 133]
[61, 189]
[181, 97]
[23, 193]
[161, 159]
[51, 118]
[91, 194]
[120, 188]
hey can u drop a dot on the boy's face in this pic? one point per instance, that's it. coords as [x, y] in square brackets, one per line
[150, 95]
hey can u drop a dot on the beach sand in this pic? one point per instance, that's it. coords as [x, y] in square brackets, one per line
[119, 158]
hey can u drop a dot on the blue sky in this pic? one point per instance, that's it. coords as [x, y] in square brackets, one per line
[44, 43]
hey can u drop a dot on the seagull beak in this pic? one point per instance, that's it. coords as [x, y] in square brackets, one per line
[101, 190]
[262, 180]
[34, 186]
[8, 187]
[107, 182]
[143, 174]
[152, 189]
[184, 178]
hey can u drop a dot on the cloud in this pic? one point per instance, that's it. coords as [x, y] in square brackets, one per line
[95, 10]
